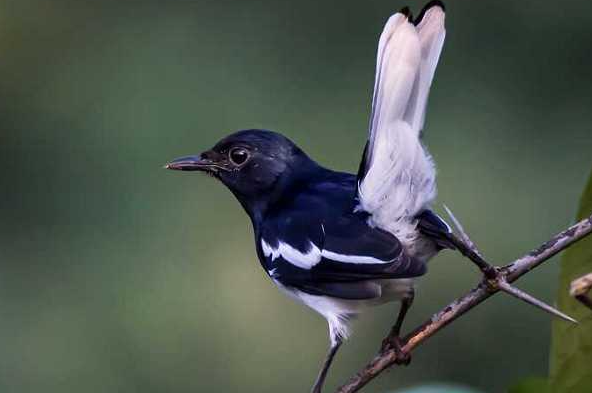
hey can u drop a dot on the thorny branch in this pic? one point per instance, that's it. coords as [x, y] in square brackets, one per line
[504, 275]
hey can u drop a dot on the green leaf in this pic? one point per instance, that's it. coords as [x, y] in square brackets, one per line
[571, 345]
[531, 385]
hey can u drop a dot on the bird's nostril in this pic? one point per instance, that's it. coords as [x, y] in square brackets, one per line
[207, 155]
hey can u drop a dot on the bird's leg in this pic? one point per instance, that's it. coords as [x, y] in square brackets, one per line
[394, 337]
[318, 385]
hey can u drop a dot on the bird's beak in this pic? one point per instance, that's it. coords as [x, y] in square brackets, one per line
[192, 163]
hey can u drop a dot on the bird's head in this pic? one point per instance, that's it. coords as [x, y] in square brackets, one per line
[256, 165]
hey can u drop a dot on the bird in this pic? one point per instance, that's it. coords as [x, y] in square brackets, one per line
[343, 242]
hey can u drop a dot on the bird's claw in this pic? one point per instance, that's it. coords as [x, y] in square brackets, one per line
[403, 358]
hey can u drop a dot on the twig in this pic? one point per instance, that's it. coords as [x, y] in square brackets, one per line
[486, 288]
[493, 275]
[580, 288]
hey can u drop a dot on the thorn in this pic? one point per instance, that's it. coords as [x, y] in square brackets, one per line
[459, 228]
[517, 293]
[453, 218]
[466, 246]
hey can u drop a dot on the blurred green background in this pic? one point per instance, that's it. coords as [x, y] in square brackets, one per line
[119, 276]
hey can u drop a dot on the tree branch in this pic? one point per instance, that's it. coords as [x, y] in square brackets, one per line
[487, 287]
[466, 246]
[579, 289]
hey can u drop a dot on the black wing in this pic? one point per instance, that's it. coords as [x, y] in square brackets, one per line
[335, 257]
[434, 227]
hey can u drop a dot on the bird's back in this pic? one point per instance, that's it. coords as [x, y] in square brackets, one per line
[326, 194]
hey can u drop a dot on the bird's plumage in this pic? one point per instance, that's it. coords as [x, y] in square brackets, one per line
[397, 179]
[313, 244]
[336, 241]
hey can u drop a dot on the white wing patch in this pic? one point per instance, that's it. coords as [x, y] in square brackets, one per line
[297, 258]
[357, 259]
[400, 178]
[313, 256]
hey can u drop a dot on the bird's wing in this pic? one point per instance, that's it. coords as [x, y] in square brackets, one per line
[337, 258]
[434, 227]
[396, 178]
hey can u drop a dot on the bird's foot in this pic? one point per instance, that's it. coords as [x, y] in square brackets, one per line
[403, 358]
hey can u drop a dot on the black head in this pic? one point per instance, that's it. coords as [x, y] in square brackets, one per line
[256, 165]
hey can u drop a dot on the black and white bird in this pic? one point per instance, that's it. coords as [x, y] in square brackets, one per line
[341, 242]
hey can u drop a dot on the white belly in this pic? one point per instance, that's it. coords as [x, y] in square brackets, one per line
[339, 312]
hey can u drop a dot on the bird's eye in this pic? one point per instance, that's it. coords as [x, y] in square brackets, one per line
[238, 156]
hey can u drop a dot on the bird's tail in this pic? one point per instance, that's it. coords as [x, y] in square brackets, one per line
[396, 180]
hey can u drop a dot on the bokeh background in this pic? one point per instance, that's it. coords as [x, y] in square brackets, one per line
[119, 276]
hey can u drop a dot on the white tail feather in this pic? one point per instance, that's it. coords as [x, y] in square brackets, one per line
[400, 178]
[431, 36]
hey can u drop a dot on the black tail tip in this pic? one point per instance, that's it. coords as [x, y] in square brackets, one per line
[407, 12]
[426, 8]
[434, 3]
